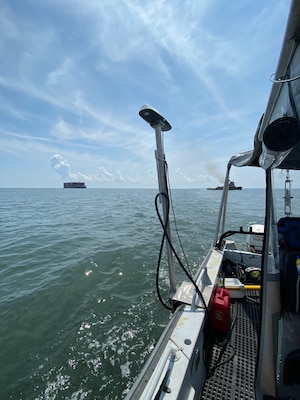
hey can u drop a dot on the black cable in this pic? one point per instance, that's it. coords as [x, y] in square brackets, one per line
[159, 259]
[219, 363]
[223, 345]
[165, 235]
[233, 322]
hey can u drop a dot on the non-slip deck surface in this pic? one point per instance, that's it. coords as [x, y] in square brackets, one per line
[231, 360]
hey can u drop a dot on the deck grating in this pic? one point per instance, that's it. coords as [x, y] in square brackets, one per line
[231, 366]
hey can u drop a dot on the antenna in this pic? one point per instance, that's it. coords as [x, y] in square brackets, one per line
[287, 195]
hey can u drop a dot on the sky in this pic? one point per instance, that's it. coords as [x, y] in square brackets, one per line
[74, 75]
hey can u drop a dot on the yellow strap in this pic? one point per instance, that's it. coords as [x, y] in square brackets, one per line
[252, 287]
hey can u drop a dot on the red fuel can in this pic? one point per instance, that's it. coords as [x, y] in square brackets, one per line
[220, 310]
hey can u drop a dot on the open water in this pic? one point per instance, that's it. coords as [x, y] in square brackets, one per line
[78, 307]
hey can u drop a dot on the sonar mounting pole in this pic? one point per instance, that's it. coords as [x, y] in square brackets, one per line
[287, 195]
[159, 124]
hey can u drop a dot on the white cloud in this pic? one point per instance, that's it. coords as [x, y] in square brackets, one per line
[78, 75]
[62, 167]
[120, 177]
[55, 76]
[104, 175]
[192, 179]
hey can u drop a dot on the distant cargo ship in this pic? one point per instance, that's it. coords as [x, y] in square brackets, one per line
[230, 187]
[74, 185]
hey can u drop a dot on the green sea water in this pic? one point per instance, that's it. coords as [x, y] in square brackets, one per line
[78, 306]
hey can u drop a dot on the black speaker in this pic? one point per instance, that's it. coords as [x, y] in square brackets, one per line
[282, 134]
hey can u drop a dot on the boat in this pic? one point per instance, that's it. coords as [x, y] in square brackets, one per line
[74, 185]
[234, 331]
[231, 186]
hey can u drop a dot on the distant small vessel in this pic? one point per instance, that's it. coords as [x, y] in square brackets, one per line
[231, 186]
[74, 185]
